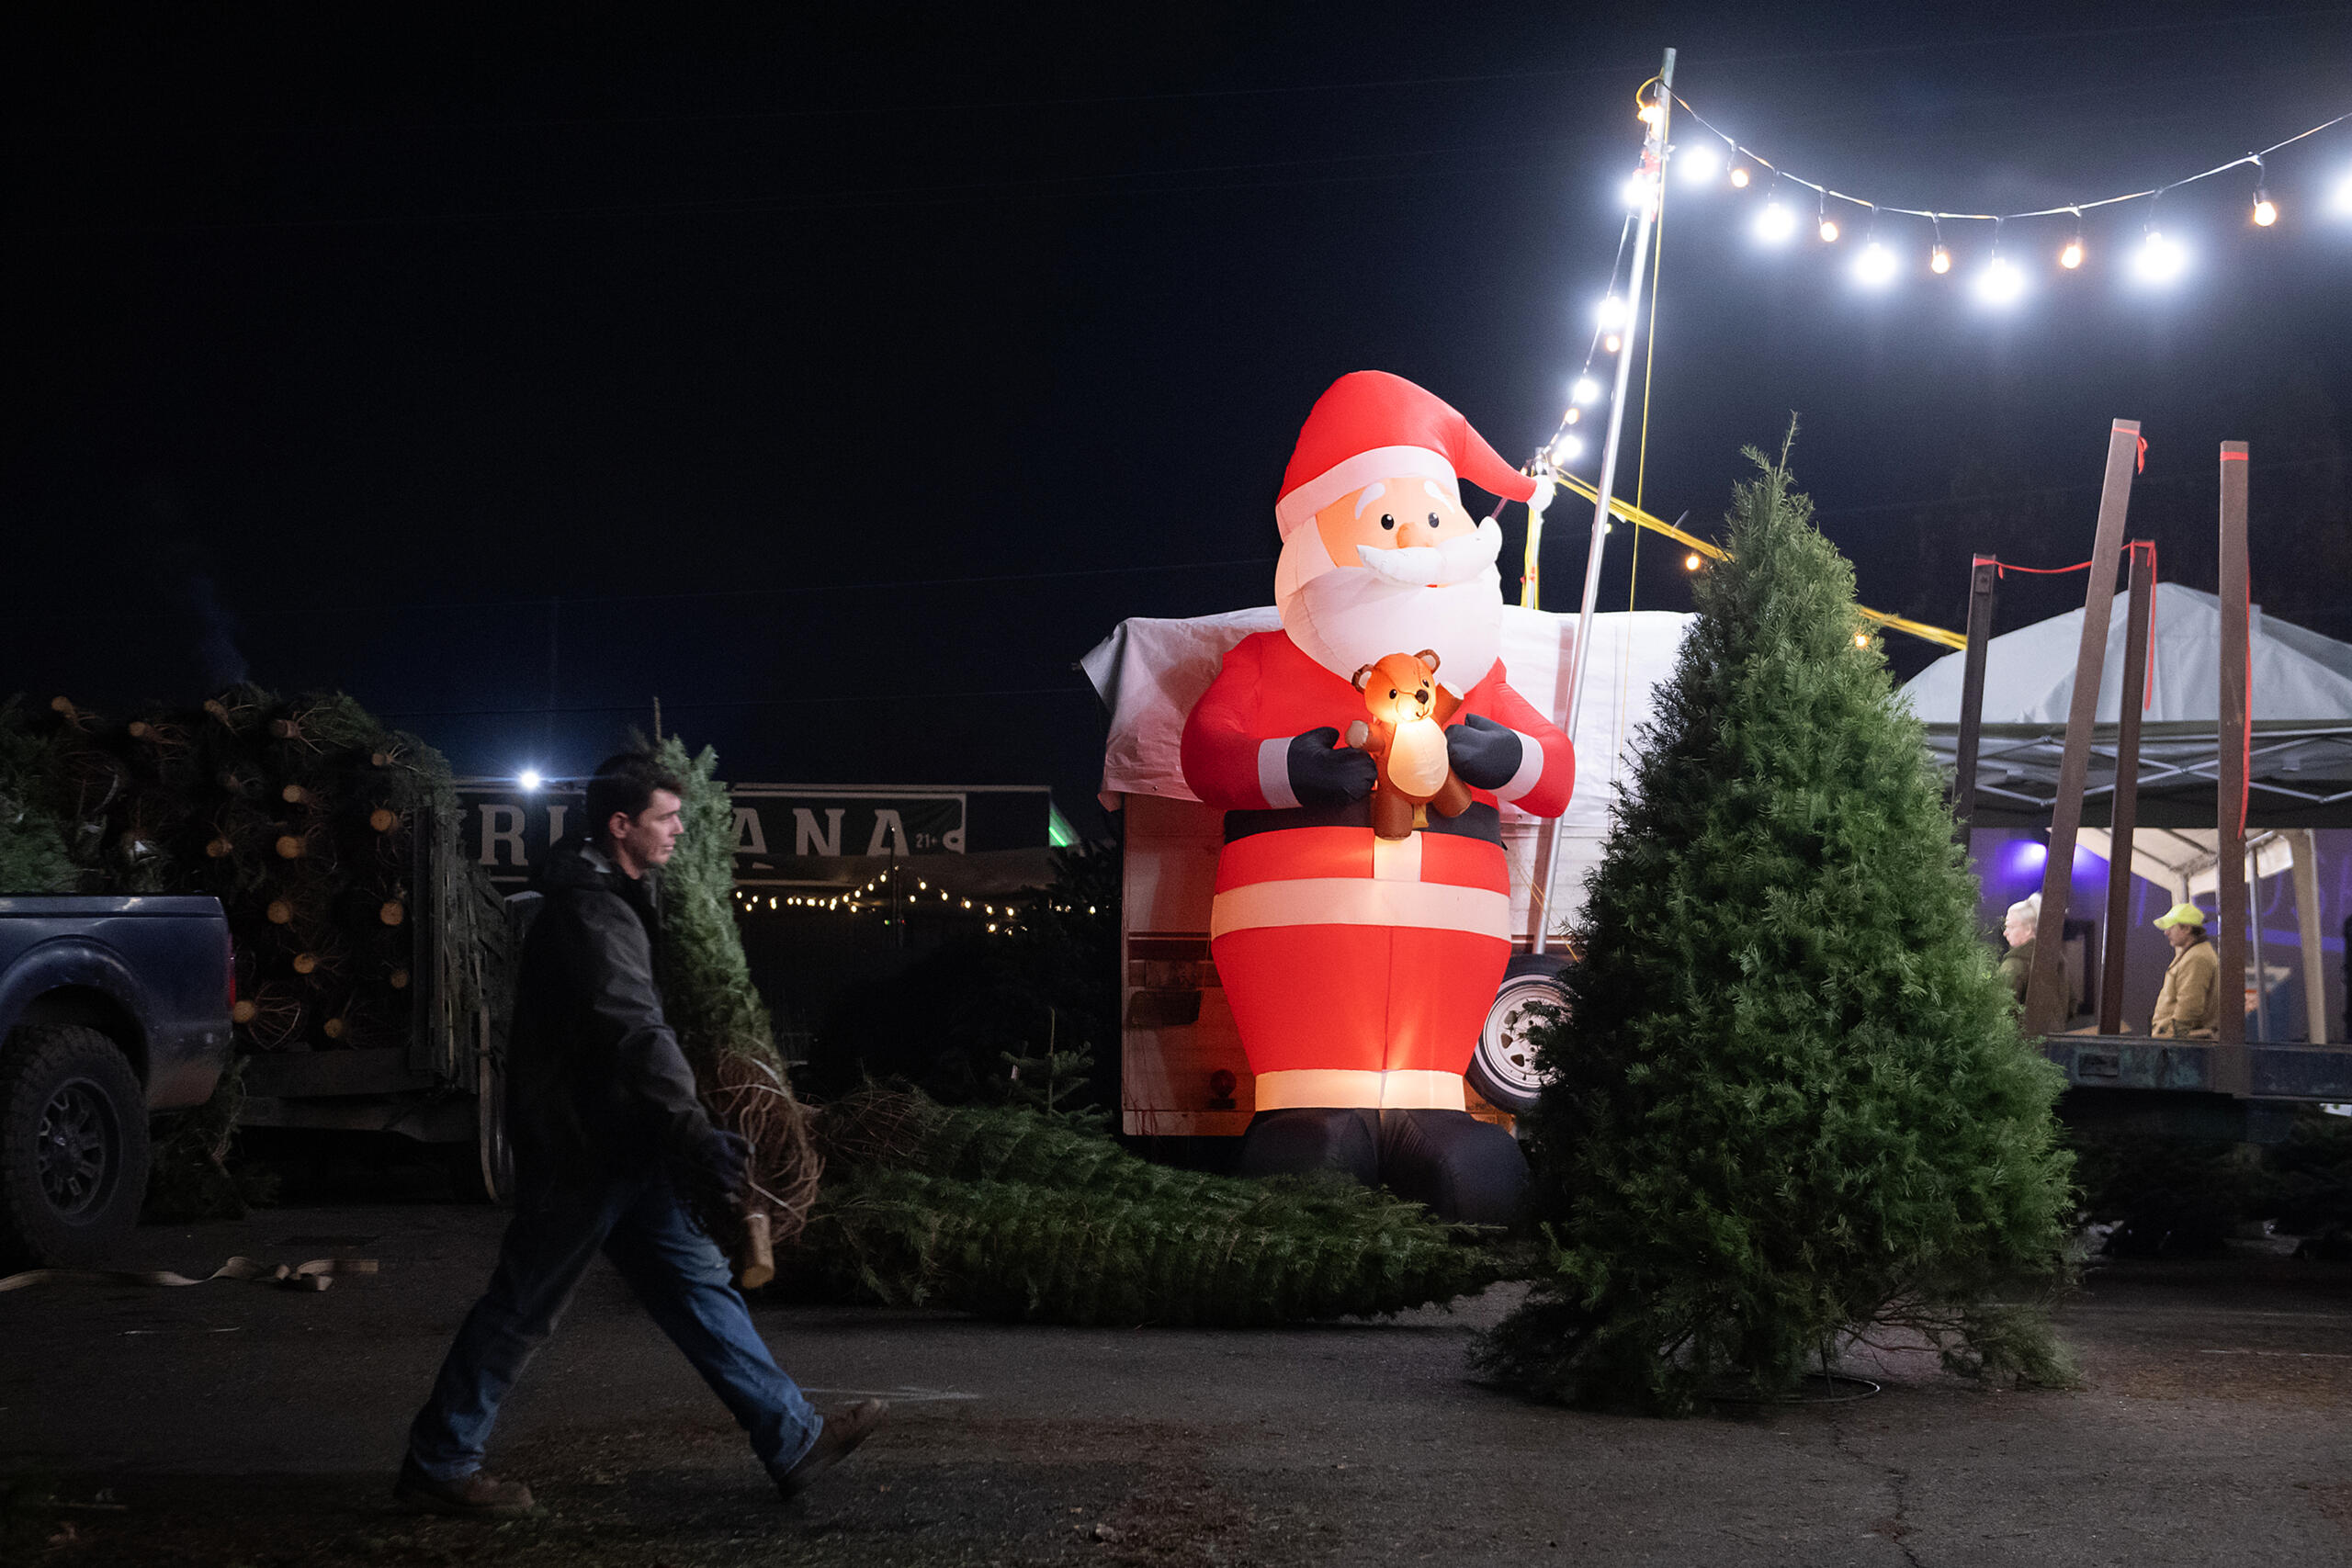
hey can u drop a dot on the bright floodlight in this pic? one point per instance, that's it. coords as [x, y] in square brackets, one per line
[2160, 260]
[1612, 311]
[1566, 449]
[1875, 265]
[1999, 283]
[1775, 223]
[1700, 161]
[530, 779]
[1585, 390]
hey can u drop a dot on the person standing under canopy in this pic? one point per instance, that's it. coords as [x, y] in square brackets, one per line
[2189, 1006]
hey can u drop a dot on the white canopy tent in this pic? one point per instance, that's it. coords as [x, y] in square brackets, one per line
[2302, 714]
[2301, 753]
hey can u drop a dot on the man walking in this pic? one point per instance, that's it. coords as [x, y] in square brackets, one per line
[609, 1137]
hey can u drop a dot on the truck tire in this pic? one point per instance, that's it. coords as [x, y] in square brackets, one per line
[1502, 1065]
[73, 1147]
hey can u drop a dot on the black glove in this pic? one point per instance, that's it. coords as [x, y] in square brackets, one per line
[1322, 773]
[723, 1162]
[1484, 755]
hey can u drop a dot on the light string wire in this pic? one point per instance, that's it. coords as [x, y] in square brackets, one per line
[2072, 208]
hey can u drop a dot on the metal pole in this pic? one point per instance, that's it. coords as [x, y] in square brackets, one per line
[1982, 573]
[2232, 1072]
[1654, 147]
[2046, 997]
[2126, 813]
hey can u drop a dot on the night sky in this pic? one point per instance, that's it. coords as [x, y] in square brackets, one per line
[842, 382]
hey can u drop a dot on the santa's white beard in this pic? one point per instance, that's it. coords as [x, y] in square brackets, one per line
[1347, 618]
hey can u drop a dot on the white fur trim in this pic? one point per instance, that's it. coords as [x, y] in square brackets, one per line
[1360, 901]
[1531, 769]
[1274, 774]
[1346, 1087]
[1380, 463]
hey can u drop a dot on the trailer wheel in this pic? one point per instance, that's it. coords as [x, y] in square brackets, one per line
[73, 1147]
[1502, 1067]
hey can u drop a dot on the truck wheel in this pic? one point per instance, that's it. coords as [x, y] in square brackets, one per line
[73, 1147]
[1502, 1067]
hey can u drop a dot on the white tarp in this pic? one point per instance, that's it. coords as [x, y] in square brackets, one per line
[1150, 672]
[2030, 674]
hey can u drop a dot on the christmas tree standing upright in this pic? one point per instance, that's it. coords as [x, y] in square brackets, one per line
[1789, 1102]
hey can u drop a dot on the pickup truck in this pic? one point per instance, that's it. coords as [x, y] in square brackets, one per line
[110, 1008]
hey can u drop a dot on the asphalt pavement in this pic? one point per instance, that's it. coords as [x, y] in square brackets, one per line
[233, 1423]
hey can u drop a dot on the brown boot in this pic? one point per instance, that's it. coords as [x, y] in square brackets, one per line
[842, 1431]
[477, 1496]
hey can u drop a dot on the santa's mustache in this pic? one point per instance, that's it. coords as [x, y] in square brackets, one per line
[1458, 559]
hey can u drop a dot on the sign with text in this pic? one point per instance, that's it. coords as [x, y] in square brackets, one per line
[507, 830]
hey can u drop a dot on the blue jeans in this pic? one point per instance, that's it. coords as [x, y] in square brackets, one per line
[676, 1272]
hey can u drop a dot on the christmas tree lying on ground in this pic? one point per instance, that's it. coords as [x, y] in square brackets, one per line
[1789, 1102]
[1026, 1214]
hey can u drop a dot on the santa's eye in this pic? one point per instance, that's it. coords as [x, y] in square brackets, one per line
[1388, 520]
[1432, 519]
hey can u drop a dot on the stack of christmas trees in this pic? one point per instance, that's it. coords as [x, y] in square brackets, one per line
[318, 828]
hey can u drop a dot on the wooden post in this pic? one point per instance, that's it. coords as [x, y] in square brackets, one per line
[2231, 1071]
[1982, 573]
[2127, 785]
[2046, 997]
[2310, 960]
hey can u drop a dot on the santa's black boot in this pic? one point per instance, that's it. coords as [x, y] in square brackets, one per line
[1294, 1141]
[1465, 1170]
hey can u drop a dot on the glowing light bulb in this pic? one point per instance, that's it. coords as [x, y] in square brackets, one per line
[1586, 389]
[1830, 231]
[1639, 190]
[1775, 223]
[2160, 260]
[2339, 202]
[1611, 312]
[1940, 261]
[1739, 179]
[1875, 265]
[1650, 114]
[1567, 450]
[1862, 639]
[530, 779]
[1699, 163]
[1999, 283]
[2266, 212]
[1691, 561]
[1612, 342]
[2072, 256]
[1574, 414]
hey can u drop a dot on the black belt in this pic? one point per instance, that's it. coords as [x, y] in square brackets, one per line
[1480, 821]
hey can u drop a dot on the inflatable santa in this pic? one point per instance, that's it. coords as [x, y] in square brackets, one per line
[1360, 967]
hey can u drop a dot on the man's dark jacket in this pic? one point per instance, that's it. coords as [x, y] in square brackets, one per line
[596, 1084]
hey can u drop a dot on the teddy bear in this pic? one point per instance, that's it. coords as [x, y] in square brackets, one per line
[1406, 737]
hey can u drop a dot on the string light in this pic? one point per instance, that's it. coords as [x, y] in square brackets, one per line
[1739, 179]
[1775, 223]
[1999, 283]
[1827, 225]
[1612, 342]
[1611, 312]
[2072, 256]
[1691, 561]
[1586, 390]
[1566, 449]
[1939, 258]
[1862, 639]
[1701, 163]
[2160, 260]
[1875, 266]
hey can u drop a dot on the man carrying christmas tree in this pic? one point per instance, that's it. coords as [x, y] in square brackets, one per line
[609, 1140]
[1360, 968]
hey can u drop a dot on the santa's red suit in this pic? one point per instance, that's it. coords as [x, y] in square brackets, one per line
[1359, 969]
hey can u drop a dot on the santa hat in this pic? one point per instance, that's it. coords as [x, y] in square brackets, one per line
[1372, 425]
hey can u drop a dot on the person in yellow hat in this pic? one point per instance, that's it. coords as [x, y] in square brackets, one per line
[2188, 1008]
